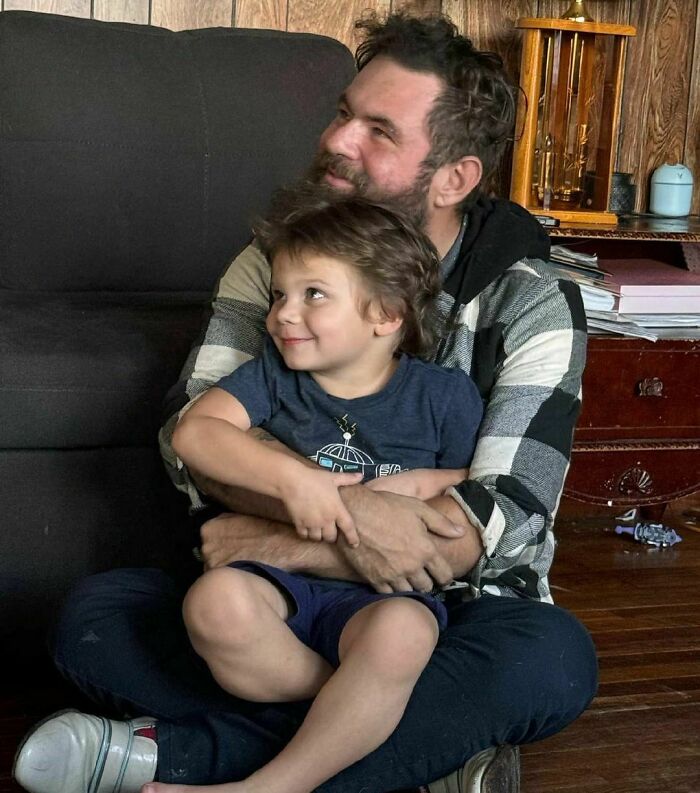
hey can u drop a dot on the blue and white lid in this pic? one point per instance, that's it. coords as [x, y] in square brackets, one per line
[672, 174]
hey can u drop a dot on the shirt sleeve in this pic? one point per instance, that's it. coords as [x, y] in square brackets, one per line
[463, 413]
[524, 446]
[251, 384]
[233, 334]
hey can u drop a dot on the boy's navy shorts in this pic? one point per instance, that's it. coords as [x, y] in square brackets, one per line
[324, 606]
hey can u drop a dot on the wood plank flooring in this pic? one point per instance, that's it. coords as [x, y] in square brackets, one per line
[642, 606]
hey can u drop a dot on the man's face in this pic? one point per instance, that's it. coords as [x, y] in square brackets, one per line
[379, 138]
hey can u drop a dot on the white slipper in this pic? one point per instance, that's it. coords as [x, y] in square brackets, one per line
[71, 752]
[495, 770]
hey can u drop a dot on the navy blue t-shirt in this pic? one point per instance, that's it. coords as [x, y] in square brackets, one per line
[425, 417]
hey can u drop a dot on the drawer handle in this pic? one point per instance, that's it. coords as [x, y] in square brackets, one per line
[635, 481]
[650, 387]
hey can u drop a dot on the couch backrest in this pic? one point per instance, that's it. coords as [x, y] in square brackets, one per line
[134, 158]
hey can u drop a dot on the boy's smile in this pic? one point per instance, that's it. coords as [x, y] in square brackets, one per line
[322, 321]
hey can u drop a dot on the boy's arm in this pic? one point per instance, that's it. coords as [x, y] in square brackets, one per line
[212, 437]
[247, 502]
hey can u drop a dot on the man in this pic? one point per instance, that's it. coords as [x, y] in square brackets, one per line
[423, 125]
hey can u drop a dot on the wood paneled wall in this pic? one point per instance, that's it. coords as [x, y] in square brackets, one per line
[661, 100]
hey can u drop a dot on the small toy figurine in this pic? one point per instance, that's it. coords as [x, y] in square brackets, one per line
[655, 534]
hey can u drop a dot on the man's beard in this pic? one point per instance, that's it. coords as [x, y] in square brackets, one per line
[413, 202]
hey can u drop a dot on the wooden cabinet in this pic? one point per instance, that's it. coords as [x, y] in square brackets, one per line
[637, 442]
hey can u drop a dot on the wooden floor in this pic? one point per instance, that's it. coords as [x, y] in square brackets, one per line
[642, 606]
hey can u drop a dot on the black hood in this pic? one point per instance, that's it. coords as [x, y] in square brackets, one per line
[498, 234]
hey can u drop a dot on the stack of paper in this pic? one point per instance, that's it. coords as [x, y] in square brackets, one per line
[634, 297]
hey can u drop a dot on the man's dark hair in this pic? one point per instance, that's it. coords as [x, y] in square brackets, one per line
[397, 263]
[475, 114]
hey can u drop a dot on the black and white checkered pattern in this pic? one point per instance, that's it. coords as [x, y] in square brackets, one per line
[522, 339]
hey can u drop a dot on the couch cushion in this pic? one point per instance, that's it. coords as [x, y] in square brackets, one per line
[70, 513]
[82, 370]
[134, 158]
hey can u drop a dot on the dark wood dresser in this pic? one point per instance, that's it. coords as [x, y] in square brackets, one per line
[637, 442]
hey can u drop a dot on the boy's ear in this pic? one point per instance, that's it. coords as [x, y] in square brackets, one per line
[453, 182]
[387, 326]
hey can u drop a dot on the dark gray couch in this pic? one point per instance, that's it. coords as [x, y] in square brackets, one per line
[132, 160]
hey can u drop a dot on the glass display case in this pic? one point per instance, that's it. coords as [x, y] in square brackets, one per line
[568, 117]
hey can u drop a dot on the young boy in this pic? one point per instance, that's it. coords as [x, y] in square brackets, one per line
[354, 291]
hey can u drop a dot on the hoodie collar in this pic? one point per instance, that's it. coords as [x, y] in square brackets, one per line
[498, 233]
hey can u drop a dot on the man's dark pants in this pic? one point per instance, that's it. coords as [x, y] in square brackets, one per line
[504, 671]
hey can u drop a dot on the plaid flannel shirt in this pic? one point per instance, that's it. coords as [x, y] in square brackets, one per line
[522, 339]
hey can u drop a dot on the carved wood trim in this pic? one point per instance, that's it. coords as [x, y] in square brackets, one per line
[650, 387]
[620, 500]
[636, 446]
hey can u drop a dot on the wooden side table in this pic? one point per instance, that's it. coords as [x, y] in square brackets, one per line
[637, 442]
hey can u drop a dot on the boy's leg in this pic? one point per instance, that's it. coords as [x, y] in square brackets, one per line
[236, 622]
[383, 649]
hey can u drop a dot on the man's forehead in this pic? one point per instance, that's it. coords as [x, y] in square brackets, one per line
[393, 85]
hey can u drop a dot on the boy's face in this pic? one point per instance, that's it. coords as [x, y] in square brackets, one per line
[379, 139]
[317, 319]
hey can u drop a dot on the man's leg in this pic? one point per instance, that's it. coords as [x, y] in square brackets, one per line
[121, 640]
[504, 671]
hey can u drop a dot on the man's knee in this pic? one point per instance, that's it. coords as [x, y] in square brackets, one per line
[572, 659]
[535, 663]
[96, 601]
[562, 663]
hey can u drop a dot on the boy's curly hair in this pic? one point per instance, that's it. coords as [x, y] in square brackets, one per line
[397, 263]
[475, 114]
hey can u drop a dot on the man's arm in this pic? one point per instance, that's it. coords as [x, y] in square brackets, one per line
[422, 483]
[522, 454]
[229, 538]
[234, 334]
[396, 553]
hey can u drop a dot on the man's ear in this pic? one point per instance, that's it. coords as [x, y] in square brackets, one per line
[453, 182]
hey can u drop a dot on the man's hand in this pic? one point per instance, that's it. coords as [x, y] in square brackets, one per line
[396, 552]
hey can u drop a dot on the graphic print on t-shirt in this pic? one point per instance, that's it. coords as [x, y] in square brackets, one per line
[349, 459]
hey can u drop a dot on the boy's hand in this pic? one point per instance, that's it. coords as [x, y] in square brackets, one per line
[315, 507]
